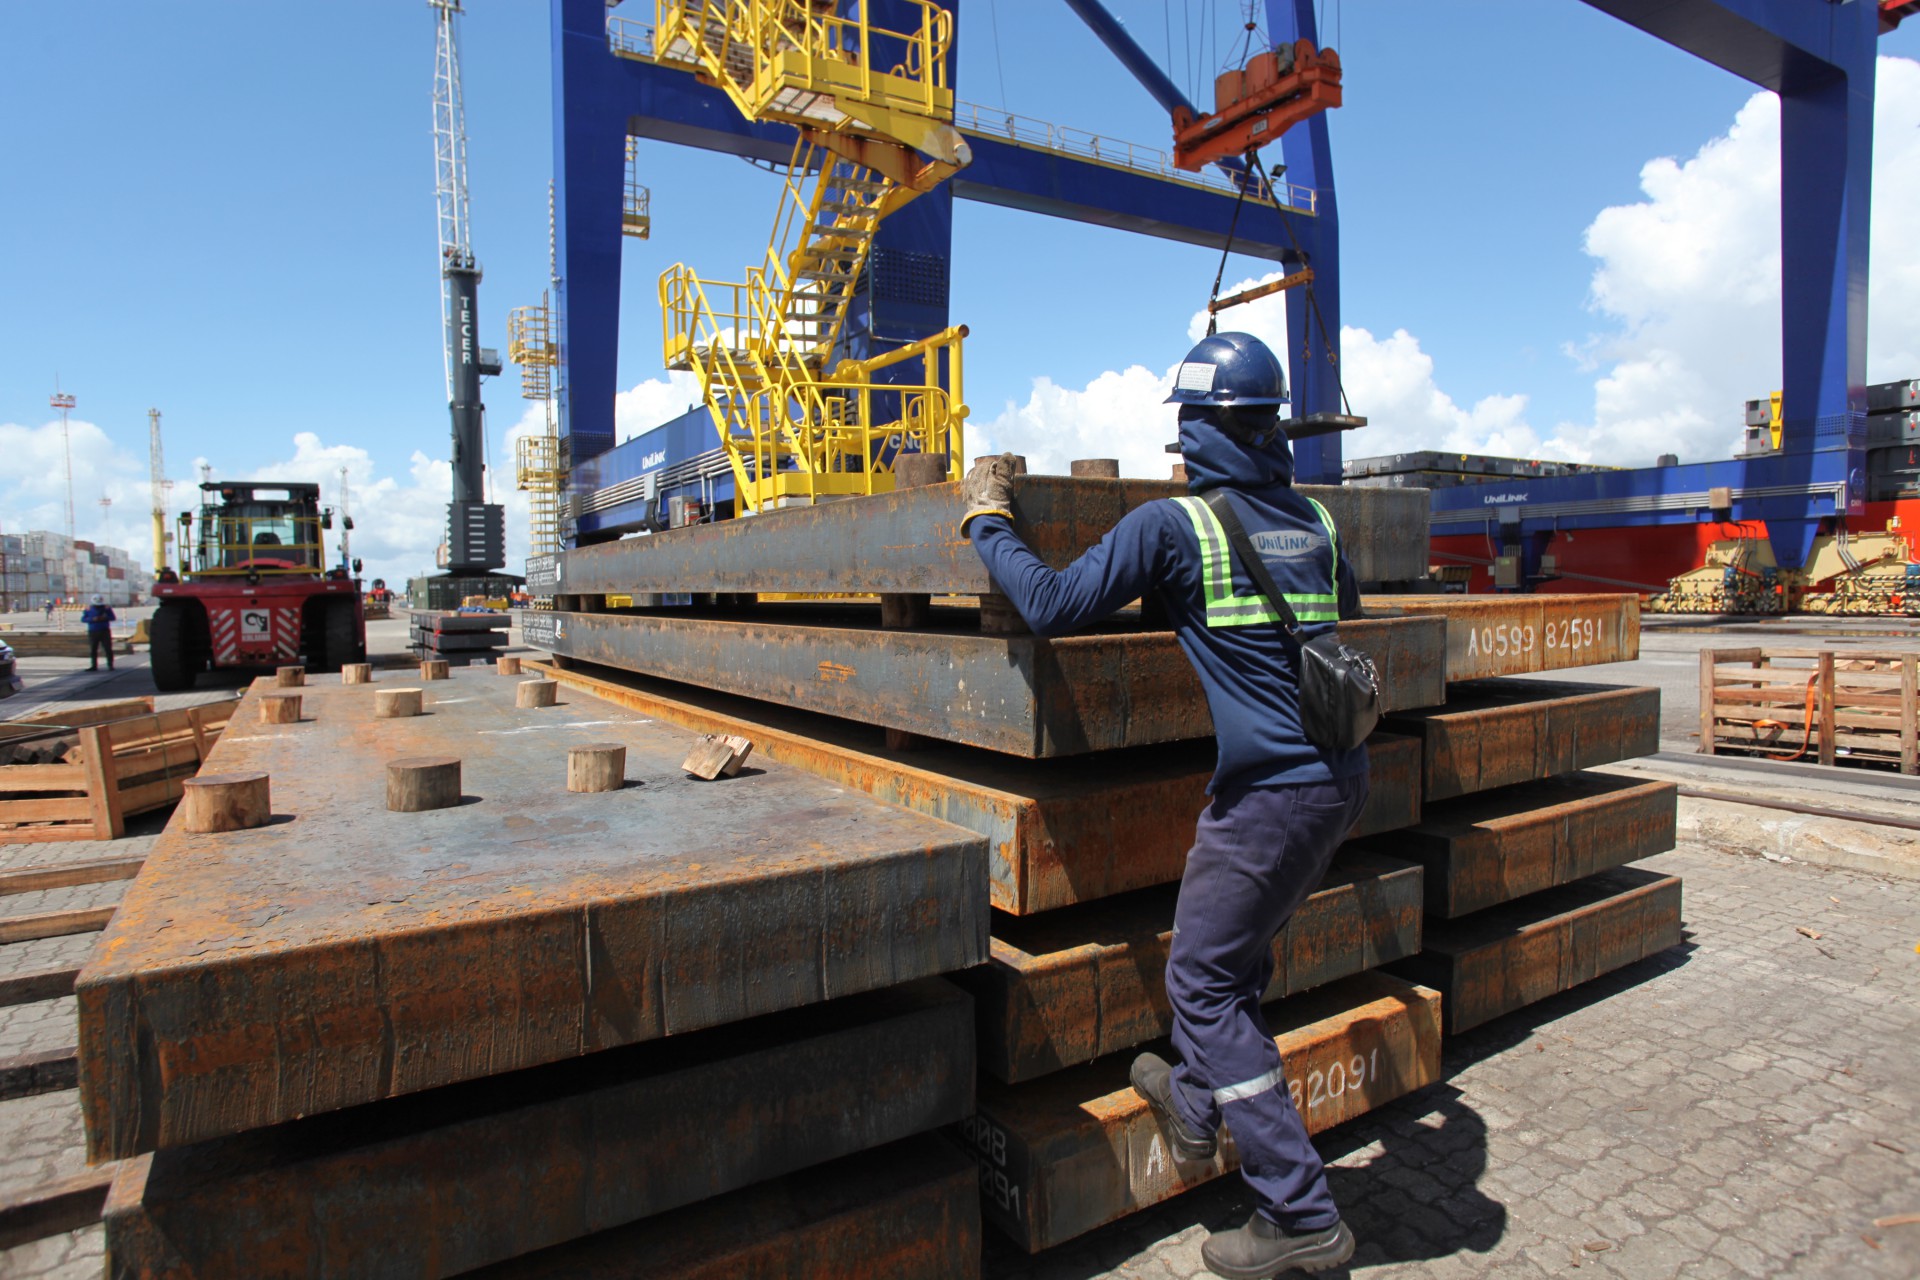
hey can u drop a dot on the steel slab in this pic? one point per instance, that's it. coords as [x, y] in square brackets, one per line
[907, 1211]
[1508, 957]
[1520, 635]
[909, 541]
[1486, 849]
[345, 954]
[1072, 1151]
[1075, 985]
[1018, 694]
[1493, 733]
[1058, 831]
[493, 1169]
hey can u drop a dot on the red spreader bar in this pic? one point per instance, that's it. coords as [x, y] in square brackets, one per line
[1256, 104]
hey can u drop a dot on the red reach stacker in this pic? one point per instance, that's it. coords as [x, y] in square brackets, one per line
[255, 591]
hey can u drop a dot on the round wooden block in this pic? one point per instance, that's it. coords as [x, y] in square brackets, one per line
[1095, 468]
[433, 669]
[915, 470]
[356, 673]
[391, 704]
[536, 693]
[290, 677]
[506, 666]
[598, 766]
[225, 802]
[418, 783]
[280, 708]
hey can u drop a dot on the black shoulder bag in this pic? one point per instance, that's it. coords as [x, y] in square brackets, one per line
[1339, 688]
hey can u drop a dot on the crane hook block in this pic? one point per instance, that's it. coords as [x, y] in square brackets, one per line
[1257, 103]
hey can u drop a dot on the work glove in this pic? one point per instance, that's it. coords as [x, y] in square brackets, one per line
[988, 488]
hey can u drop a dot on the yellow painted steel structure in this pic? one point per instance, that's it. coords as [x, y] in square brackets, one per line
[797, 425]
[537, 472]
[636, 208]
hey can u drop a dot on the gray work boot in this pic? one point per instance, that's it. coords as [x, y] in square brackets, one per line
[1259, 1250]
[1153, 1080]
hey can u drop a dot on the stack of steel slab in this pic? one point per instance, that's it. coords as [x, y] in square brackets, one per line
[458, 638]
[1084, 760]
[356, 1041]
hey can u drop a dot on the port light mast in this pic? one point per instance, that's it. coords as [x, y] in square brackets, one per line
[476, 528]
[162, 487]
[65, 403]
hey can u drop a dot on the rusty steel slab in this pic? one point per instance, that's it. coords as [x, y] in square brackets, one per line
[1075, 1150]
[1509, 957]
[1520, 635]
[907, 1211]
[1483, 850]
[1058, 831]
[1493, 733]
[909, 541]
[1075, 985]
[345, 954]
[489, 1170]
[1018, 694]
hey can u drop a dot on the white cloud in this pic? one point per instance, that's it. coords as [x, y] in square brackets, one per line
[653, 402]
[1688, 281]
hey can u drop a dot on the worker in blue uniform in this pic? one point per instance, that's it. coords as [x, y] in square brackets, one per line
[1279, 804]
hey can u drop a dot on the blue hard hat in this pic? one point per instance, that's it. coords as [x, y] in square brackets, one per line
[1230, 369]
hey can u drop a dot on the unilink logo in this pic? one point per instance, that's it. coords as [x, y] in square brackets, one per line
[1288, 543]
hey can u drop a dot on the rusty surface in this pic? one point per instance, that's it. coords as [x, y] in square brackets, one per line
[494, 1169]
[909, 541]
[1015, 694]
[1508, 957]
[344, 954]
[1070, 1152]
[1070, 986]
[1517, 635]
[1058, 831]
[907, 1211]
[1493, 733]
[1486, 849]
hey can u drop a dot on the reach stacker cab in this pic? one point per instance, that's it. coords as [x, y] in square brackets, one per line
[255, 591]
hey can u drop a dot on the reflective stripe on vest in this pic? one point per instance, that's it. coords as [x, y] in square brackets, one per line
[1223, 607]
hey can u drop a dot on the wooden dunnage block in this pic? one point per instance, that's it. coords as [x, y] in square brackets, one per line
[433, 669]
[395, 704]
[216, 802]
[597, 766]
[1078, 1149]
[356, 673]
[495, 1169]
[416, 784]
[506, 665]
[536, 693]
[1074, 985]
[280, 708]
[906, 1211]
[1482, 850]
[290, 677]
[1507, 957]
[1494, 733]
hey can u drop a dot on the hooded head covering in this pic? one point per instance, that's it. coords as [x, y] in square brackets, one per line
[99, 599]
[1216, 456]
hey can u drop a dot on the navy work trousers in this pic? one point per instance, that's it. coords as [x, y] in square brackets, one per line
[1257, 853]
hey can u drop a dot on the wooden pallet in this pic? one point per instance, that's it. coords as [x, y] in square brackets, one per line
[1816, 705]
[127, 765]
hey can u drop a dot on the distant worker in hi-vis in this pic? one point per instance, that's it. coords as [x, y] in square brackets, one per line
[1250, 572]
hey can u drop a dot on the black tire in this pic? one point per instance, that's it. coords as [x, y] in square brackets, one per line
[339, 638]
[171, 653]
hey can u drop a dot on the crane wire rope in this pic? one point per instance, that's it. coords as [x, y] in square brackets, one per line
[993, 16]
[1255, 166]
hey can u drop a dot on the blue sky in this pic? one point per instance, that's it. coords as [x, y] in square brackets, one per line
[226, 210]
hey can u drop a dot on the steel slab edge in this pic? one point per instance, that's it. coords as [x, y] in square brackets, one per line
[1482, 850]
[1074, 985]
[493, 1169]
[1078, 1149]
[906, 1211]
[910, 541]
[1493, 733]
[1509, 957]
[1520, 635]
[1020, 695]
[345, 954]
[1058, 831]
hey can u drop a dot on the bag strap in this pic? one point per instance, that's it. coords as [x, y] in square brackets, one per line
[1223, 509]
